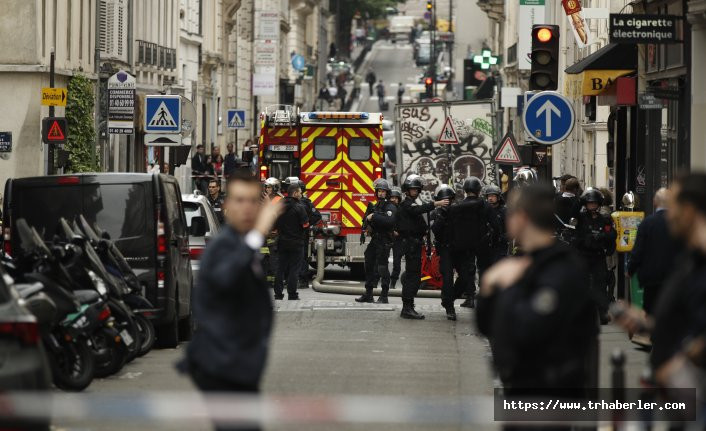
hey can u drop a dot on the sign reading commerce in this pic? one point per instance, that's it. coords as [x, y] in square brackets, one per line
[628, 28]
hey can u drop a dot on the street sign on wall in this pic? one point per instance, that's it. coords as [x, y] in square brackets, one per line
[54, 96]
[548, 117]
[163, 114]
[5, 142]
[121, 103]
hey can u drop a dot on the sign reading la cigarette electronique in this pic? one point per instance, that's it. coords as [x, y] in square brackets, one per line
[629, 28]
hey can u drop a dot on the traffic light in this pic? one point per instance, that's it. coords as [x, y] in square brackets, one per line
[429, 84]
[430, 5]
[544, 73]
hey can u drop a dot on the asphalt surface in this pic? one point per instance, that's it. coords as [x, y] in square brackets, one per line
[328, 345]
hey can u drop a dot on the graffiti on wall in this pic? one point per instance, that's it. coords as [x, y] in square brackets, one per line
[422, 154]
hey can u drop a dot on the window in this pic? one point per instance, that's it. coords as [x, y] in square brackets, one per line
[325, 148]
[359, 149]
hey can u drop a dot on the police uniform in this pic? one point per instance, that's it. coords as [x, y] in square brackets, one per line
[292, 227]
[497, 246]
[412, 228]
[396, 247]
[314, 217]
[448, 261]
[595, 239]
[381, 226]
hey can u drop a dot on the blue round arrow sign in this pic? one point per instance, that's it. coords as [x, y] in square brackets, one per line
[548, 117]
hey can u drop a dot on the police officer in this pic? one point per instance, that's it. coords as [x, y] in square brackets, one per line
[396, 199]
[412, 227]
[380, 222]
[215, 199]
[292, 227]
[314, 219]
[447, 262]
[537, 310]
[595, 239]
[498, 246]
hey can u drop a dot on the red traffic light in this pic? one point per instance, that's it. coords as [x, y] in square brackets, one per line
[544, 35]
[428, 80]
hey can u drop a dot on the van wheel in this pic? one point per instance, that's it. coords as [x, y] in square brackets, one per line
[168, 334]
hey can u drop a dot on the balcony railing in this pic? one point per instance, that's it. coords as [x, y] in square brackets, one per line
[151, 54]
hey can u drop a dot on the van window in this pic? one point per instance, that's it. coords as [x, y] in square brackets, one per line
[173, 210]
[325, 148]
[359, 149]
[118, 209]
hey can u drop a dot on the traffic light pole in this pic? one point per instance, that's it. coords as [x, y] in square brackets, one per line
[433, 48]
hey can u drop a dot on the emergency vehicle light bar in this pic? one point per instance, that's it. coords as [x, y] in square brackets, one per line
[338, 116]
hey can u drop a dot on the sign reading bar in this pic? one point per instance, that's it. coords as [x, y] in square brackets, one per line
[630, 28]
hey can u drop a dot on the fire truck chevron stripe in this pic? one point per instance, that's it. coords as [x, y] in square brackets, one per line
[327, 199]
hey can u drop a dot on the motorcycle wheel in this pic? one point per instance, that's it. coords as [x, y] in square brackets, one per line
[116, 352]
[126, 322]
[147, 334]
[73, 365]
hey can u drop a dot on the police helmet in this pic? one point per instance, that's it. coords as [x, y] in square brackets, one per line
[272, 182]
[412, 182]
[592, 195]
[396, 193]
[381, 184]
[472, 185]
[444, 192]
[492, 189]
[291, 181]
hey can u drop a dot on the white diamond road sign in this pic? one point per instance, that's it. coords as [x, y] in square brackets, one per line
[548, 117]
[236, 118]
[163, 114]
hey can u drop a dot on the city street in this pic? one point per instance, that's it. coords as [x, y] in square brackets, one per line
[327, 344]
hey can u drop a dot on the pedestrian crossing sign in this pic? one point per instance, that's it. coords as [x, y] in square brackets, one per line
[163, 114]
[236, 119]
[448, 133]
[507, 153]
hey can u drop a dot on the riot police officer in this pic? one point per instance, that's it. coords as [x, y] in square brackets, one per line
[497, 248]
[412, 227]
[396, 199]
[447, 263]
[595, 239]
[380, 222]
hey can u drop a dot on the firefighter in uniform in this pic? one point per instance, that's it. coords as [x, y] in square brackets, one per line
[412, 228]
[441, 229]
[314, 219]
[271, 190]
[380, 223]
[396, 198]
[595, 239]
[498, 246]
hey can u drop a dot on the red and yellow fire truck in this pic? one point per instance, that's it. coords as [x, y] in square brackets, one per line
[338, 155]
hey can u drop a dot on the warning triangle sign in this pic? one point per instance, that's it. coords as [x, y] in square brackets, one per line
[448, 133]
[162, 117]
[55, 132]
[508, 153]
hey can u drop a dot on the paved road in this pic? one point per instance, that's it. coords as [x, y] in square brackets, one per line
[329, 345]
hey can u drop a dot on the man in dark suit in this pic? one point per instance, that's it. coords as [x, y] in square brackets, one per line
[230, 162]
[198, 168]
[231, 301]
[653, 256]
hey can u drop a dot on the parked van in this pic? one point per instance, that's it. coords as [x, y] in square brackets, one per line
[144, 215]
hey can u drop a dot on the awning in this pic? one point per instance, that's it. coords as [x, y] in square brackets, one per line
[596, 73]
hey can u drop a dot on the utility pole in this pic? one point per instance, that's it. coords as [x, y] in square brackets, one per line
[50, 147]
[451, 45]
[433, 47]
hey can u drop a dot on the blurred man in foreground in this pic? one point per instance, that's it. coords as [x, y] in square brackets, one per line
[231, 301]
[537, 310]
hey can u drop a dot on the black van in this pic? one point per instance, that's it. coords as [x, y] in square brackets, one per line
[143, 214]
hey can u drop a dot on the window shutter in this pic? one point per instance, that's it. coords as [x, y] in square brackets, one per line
[113, 29]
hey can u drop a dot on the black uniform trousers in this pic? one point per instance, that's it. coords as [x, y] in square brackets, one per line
[412, 251]
[290, 259]
[376, 269]
[598, 278]
[396, 258]
[216, 385]
[489, 256]
[462, 262]
[304, 268]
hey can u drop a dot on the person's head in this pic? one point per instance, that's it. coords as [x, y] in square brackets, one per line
[216, 151]
[271, 186]
[531, 212]
[213, 187]
[396, 195]
[229, 147]
[472, 186]
[380, 81]
[382, 188]
[400, 85]
[412, 186]
[492, 194]
[571, 185]
[199, 149]
[592, 199]
[248, 143]
[562, 182]
[209, 159]
[294, 191]
[166, 167]
[660, 199]
[687, 209]
[242, 203]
